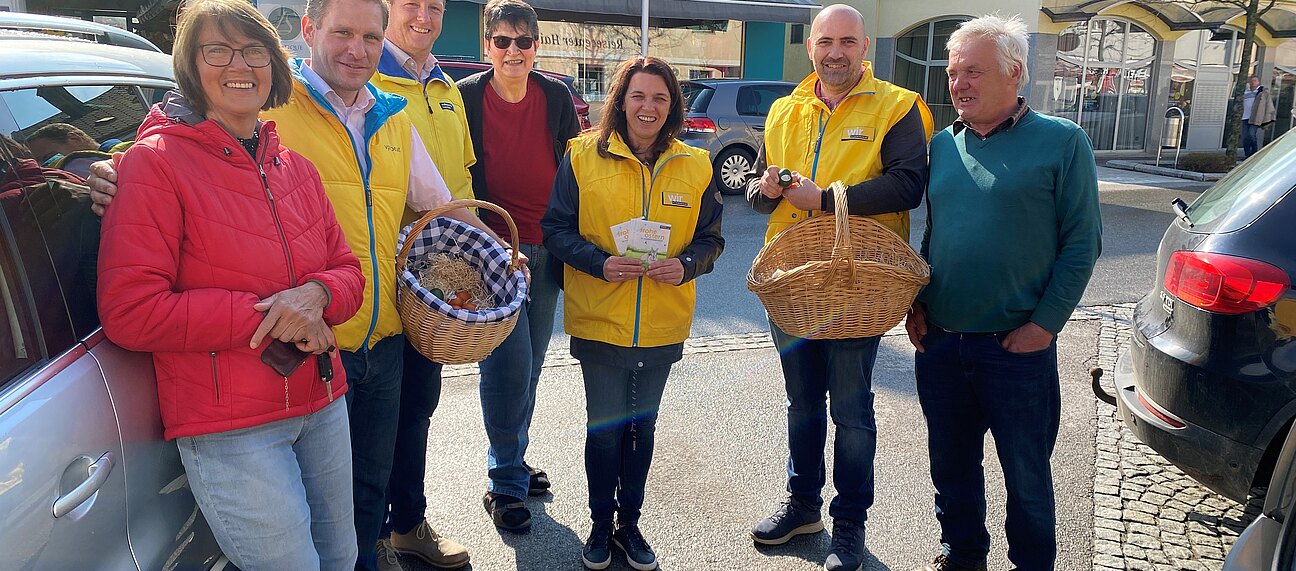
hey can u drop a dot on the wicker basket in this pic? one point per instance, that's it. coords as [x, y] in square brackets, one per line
[442, 335]
[841, 276]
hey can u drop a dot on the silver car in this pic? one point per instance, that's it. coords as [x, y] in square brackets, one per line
[86, 479]
[727, 118]
[1269, 543]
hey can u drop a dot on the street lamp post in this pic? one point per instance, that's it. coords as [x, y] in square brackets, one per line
[643, 31]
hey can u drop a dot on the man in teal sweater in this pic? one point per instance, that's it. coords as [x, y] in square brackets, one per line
[1012, 236]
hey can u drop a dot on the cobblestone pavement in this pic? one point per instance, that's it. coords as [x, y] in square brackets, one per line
[1147, 514]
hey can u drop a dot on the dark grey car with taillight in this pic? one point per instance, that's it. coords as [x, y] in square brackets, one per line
[1209, 380]
[727, 118]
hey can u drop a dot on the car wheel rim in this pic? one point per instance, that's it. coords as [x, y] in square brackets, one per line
[733, 171]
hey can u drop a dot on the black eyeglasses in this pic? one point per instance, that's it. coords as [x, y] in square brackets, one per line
[503, 42]
[221, 55]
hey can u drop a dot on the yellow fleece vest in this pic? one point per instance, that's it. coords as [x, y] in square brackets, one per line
[370, 220]
[642, 313]
[844, 144]
[437, 113]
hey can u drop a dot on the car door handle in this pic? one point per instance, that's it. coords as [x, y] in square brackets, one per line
[98, 475]
[758, 127]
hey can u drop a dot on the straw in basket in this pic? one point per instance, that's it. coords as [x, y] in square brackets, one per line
[862, 287]
[442, 333]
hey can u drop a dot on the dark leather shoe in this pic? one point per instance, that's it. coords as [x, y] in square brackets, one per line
[508, 512]
[943, 563]
[539, 484]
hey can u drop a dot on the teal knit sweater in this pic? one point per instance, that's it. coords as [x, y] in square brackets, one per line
[1013, 228]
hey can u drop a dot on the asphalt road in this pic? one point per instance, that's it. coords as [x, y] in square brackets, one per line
[721, 440]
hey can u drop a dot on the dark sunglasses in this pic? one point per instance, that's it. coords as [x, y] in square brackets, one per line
[503, 42]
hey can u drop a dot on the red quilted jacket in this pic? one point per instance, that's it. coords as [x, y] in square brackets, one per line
[192, 240]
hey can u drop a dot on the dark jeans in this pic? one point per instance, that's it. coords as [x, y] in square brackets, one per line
[813, 370]
[1251, 138]
[621, 421]
[968, 384]
[373, 401]
[420, 393]
[509, 376]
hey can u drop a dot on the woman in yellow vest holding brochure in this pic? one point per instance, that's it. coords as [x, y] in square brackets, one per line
[635, 220]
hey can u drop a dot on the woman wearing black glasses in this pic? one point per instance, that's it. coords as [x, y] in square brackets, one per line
[519, 121]
[221, 256]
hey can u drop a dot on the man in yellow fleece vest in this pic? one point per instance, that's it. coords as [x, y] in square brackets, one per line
[840, 123]
[407, 68]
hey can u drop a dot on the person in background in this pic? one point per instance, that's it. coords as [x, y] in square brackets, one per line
[520, 122]
[628, 318]
[266, 451]
[407, 68]
[1257, 112]
[1013, 232]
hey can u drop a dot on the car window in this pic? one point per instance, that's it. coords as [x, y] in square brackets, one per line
[755, 100]
[1249, 190]
[103, 112]
[19, 345]
[697, 97]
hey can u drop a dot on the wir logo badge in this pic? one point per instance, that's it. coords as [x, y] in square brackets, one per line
[859, 134]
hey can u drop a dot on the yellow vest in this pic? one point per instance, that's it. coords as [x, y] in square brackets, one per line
[437, 112]
[642, 313]
[844, 144]
[368, 205]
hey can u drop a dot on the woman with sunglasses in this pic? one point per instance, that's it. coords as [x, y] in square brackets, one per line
[628, 316]
[221, 256]
[519, 121]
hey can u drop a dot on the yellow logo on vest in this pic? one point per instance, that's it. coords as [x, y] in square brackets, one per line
[859, 134]
[675, 199]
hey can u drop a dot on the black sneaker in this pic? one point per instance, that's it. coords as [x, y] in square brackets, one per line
[847, 547]
[943, 563]
[507, 512]
[791, 519]
[598, 552]
[638, 553]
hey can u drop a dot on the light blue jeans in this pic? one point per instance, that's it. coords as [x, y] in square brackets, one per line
[278, 496]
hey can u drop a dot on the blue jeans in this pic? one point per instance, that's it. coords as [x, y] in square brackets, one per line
[968, 384]
[1251, 135]
[813, 370]
[621, 422]
[278, 495]
[420, 394]
[373, 399]
[509, 376]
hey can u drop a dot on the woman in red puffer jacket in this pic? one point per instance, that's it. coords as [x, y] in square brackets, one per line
[221, 254]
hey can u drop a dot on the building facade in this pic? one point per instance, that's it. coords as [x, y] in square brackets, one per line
[1124, 70]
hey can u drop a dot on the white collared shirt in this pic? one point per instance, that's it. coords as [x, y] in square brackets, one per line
[426, 189]
[409, 65]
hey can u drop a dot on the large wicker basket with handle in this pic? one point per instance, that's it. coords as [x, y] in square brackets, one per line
[837, 276]
[446, 334]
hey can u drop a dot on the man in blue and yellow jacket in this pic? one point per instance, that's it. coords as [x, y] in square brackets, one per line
[840, 123]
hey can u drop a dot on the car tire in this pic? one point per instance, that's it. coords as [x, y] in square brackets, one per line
[731, 169]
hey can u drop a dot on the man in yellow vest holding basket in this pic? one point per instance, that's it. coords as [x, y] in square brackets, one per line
[840, 124]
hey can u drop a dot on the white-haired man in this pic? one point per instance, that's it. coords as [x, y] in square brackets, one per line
[1012, 236]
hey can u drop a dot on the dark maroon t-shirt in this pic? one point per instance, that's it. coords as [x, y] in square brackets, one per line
[520, 163]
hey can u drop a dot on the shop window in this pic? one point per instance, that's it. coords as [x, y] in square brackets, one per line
[589, 80]
[921, 59]
[1102, 81]
[797, 36]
